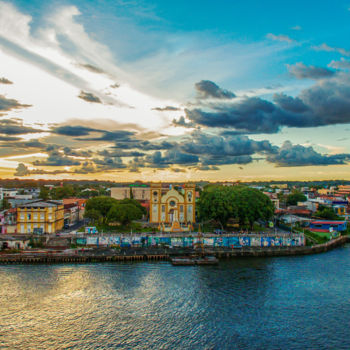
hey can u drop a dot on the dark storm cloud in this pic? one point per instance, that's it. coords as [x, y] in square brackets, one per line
[23, 170]
[208, 89]
[5, 81]
[122, 136]
[298, 155]
[301, 71]
[15, 127]
[214, 160]
[166, 109]
[68, 151]
[121, 153]
[291, 104]
[249, 115]
[68, 130]
[56, 158]
[182, 122]
[171, 157]
[109, 163]
[86, 168]
[327, 102]
[89, 97]
[7, 104]
[219, 150]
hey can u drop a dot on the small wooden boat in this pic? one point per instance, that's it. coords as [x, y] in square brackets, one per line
[196, 260]
[182, 261]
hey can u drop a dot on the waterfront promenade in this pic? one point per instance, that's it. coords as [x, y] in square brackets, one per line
[104, 254]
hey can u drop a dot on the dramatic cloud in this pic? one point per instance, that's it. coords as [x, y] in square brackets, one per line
[68, 130]
[56, 158]
[327, 102]
[109, 163]
[301, 71]
[89, 97]
[249, 115]
[171, 157]
[166, 109]
[22, 170]
[15, 127]
[182, 122]
[114, 136]
[7, 105]
[291, 104]
[280, 37]
[205, 144]
[298, 155]
[5, 81]
[208, 89]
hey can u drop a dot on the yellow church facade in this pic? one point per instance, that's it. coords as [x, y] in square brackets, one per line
[169, 206]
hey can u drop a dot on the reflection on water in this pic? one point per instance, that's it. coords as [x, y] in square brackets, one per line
[289, 303]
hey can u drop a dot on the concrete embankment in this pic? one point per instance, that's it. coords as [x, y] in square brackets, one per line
[79, 256]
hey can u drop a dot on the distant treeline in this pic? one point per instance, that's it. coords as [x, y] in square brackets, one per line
[26, 183]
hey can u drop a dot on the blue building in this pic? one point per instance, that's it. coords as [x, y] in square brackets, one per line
[327, 226]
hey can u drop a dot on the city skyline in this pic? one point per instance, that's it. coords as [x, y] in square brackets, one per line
[136, 90]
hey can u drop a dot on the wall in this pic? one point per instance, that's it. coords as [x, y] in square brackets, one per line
[191, 242]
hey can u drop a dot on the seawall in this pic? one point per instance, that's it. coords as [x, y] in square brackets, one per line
[49, 257]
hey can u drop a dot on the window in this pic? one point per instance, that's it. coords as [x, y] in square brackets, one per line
[22, 216]
[42, 216]
[29, 216]
[181, 208]
[172, 203]
[35, 216]
[163, 208]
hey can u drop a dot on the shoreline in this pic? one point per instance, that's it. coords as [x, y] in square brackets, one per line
[151, 254]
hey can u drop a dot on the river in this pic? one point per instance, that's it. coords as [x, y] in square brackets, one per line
[244, 303]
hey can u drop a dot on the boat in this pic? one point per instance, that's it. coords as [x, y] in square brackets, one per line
[195, 260]
[182, 261]
[207, 260]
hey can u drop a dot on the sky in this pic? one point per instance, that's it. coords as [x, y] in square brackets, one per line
[180, 90]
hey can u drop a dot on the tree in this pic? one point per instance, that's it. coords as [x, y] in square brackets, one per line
[124, 213]
[44, 193]
[221, 203]
[327, 213]
[295, 197]
[5, 204]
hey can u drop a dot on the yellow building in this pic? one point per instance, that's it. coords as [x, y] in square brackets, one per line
[41, 217]
[168, 206]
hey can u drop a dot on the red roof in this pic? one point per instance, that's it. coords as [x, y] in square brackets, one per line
[327, 222]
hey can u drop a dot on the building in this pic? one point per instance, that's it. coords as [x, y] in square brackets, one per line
[74, 209]
[140, 193]
[327, 226]
[168, 205]
[8, 221]
[40, 217]
[344, 189]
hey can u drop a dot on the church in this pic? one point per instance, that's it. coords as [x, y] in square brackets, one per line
[170, 206]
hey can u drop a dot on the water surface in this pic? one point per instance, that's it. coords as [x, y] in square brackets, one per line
[250, 303]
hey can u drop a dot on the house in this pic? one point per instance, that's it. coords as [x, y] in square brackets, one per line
[40, 217]
[8, 242]
[74, 209]
[8, 221]
[327, 226]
